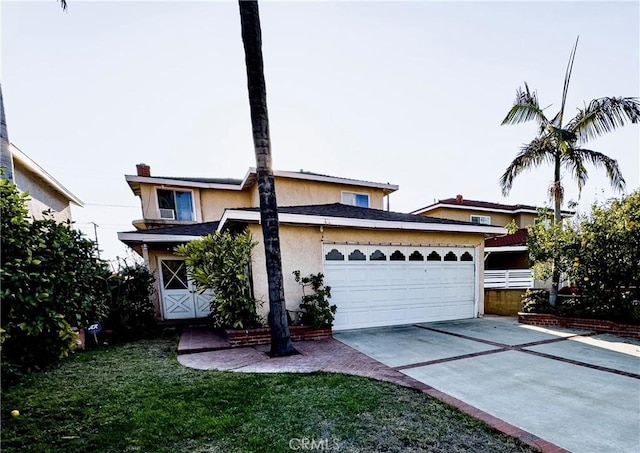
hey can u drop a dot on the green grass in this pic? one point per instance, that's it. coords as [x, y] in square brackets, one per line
[136, 398]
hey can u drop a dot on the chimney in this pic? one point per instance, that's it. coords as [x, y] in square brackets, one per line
[459, 199]
[143, 170]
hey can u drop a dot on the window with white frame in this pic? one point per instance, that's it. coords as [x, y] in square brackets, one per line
[175, 204]
[481, 219]
[355, 199]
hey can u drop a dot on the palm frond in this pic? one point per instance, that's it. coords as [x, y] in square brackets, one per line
[63, 4]
[573, 160]
[604, 115]
[531, 155]
[525, 108]
[565, 89]
[601, 160]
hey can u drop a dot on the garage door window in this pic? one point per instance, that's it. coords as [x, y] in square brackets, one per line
[378, 256]
[466, 256]
[416, 256]
[433, 256]
[334, 255]
[450, 257]
[357, 255]
[397, 256]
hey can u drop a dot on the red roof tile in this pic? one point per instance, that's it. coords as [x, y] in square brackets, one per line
[517, 238]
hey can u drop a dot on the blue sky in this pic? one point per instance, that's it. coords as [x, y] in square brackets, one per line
[410, 93]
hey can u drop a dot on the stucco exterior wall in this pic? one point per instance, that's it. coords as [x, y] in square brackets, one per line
[522, 219]
[301, 248]
[41, 194]
[294, 192]
[209, 204]
[214, 202]
[526, 219]
[464, 215]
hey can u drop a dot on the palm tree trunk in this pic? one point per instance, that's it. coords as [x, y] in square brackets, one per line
[557, 217]
[252, 40]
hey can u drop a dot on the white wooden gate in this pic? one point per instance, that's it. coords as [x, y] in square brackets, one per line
[180, 299]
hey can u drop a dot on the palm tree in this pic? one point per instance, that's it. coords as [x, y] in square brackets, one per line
[561, 143]
[252, 40]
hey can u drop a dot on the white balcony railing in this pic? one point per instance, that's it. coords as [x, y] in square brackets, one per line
[508, 278]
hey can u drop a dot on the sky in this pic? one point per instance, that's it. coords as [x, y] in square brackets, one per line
[410, 93]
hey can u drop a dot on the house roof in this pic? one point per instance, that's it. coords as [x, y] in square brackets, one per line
[178, 233]
[517, 238]
[461, 203]
[30, 165]
[337, 214]
[356, 212]
[230, 181]
[249, 180]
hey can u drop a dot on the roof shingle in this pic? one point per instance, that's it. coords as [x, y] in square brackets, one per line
[517, 238]
[356, 212]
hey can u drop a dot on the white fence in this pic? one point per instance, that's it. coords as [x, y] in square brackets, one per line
[508, 278]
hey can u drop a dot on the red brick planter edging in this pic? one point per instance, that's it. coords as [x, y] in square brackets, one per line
[252, 337]
[547, 320]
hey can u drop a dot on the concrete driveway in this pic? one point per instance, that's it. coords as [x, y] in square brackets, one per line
[577, 389]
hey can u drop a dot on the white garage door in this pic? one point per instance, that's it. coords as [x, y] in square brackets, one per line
[383, 285]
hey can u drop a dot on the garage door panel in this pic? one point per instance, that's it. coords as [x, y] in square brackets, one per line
[415, 274]
[393, 292]
[417, 294]
[358, 296]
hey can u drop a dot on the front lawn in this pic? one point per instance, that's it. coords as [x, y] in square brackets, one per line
[136, 398]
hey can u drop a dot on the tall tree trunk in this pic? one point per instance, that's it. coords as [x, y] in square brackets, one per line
[252, 40]
[557, 218]
[6, 162]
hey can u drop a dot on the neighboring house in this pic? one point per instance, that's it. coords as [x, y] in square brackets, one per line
[45, 192]
[506, 257]
[384, 268]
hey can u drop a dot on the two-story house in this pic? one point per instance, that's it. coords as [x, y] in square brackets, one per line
[506, 257]
[385, 268]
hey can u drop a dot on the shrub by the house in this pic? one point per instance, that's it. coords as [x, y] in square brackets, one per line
[221, 262]
[130, 308]
[318, 312]
[50, 282]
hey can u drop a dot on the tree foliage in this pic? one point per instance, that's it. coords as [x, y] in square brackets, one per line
[221, 262]
[131, 313]
[50, 282]
[600, 255]
[562, 143]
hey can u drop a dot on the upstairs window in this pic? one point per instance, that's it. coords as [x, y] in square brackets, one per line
[175, 204]
[355, 199]
[481, 219]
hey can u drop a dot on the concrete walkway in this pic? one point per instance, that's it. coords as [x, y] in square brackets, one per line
[397, 355]
[576, 389]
